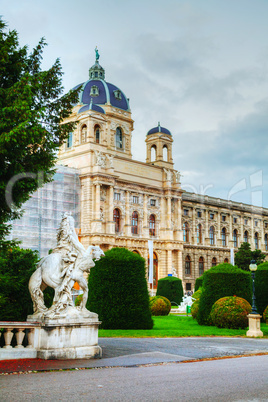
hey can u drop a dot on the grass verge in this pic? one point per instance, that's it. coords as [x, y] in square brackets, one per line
[176, 326]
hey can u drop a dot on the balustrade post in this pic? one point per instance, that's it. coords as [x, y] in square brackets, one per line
[30, 338]
[8, 335]
[19, 337]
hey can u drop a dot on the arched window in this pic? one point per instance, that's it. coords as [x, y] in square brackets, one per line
[235, 237]
[135, 252]
[201, 266]
[226, 260]
[246, 236]
[185, 228]
[165, 153]
[152, 225]
[84, 133]
[188, 266]
[199, 234]
[117, 220]
[223, 236]
[119, 138]
[214, 262]
[97, 134]
[266, 242]
[256, 241]
[211, 236]
[153, 153]
[134, 222]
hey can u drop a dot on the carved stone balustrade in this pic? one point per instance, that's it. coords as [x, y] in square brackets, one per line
[16, 331]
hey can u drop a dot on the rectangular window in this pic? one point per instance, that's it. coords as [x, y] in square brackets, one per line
[223, 218]
[188, 286]
[235, 220]
[185, 212]
[211, 216]
[256, 223]
[245, 221]
[117, 196]
[70, 140]
[135, 199]
[266, 225]
[153, 203]
[199, 214]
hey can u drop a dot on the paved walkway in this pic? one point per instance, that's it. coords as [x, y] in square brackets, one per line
[127, 352]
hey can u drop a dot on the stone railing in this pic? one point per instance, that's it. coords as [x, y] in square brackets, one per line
[13, 337]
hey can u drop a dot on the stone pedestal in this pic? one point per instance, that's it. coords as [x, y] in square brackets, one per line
[254, 322]
[64, 338]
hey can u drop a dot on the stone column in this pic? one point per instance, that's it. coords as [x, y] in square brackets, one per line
[127, 218]
[231, 240]
[241, 239]
[162, 217]
[194, 227]
[169, 232]
[179, 222]
[111, 225]
[180, 265]
[252, 234]
[97, 201]
[261, 240]
[206, 229]
[145, 217]
[97, 224]
[169, 261]
[218, 240]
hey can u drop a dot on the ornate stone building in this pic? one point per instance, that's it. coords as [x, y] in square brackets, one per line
[125, 203]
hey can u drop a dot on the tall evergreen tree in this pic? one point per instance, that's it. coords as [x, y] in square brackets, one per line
[244, 255]
[32, 109]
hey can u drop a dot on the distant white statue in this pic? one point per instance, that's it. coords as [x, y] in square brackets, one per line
[168, 174]
[186, 301]
[174, 272]
[177, 176]
[60, 270]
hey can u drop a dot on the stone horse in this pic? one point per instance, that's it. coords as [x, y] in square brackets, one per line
[52, 271]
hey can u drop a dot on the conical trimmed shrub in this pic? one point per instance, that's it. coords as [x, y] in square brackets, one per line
[118, 291]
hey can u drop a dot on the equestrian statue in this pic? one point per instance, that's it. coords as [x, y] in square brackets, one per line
[68, 263]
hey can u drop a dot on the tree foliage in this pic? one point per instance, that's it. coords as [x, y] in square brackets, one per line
[16, 267]
[32, 109]
[244, 255]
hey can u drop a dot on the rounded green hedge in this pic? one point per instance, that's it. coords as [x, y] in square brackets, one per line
[171, 288]
[220, 281]
[261, 287]
[159, 305]
[118, 291]
[265, 315]
[194, 308]
[197, 294]
[230, 312]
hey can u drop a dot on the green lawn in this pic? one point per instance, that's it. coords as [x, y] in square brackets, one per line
[175, 326]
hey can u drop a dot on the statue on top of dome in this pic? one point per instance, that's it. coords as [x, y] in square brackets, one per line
[97, 54]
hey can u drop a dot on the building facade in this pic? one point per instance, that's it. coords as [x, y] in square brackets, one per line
[125, 203]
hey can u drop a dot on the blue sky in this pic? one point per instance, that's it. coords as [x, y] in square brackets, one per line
[199, 67]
